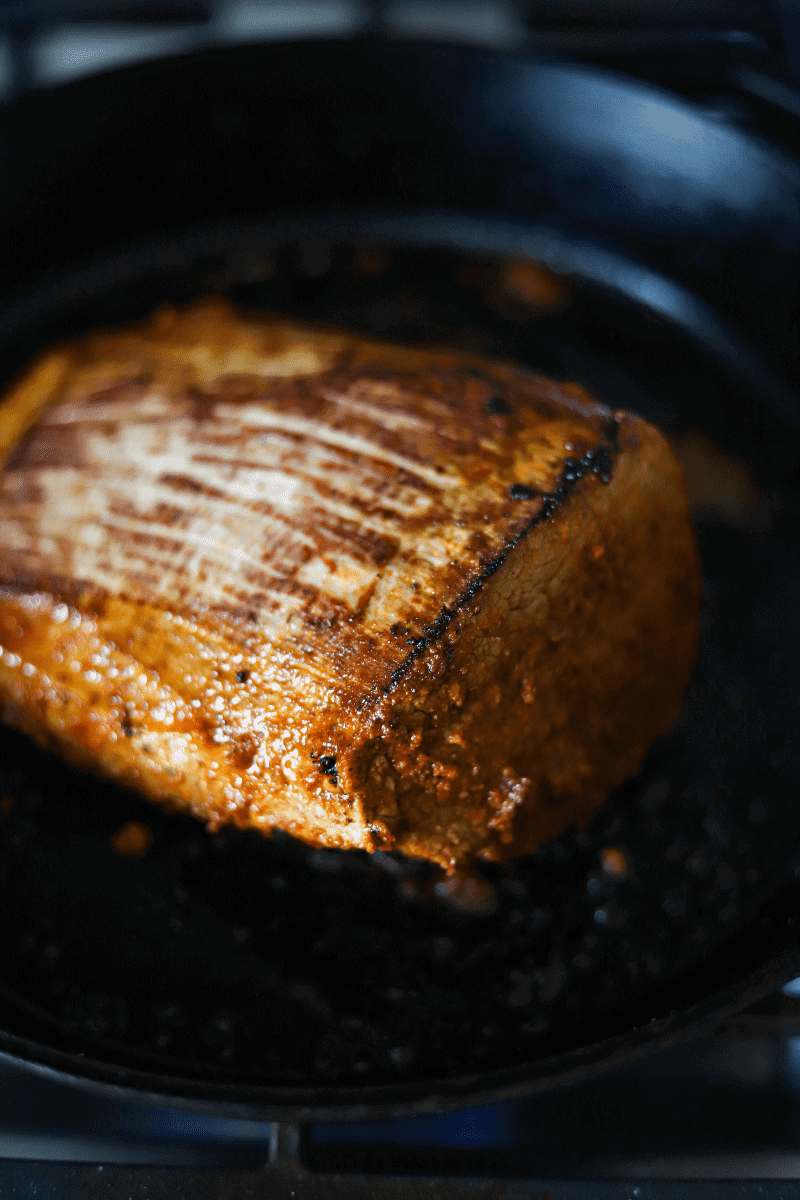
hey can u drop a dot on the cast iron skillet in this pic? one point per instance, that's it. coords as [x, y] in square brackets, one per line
[382, 185]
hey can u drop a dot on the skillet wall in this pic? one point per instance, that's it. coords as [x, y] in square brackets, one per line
[244, 132]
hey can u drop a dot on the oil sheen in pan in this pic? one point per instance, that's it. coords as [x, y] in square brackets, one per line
[158, 943]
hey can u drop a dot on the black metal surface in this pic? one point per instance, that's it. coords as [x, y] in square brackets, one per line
[32, 14]
[243, 132]
[788, 21]
[290, 1167]
[774, 1016]
[709, 1108]
[232, 972]
[75, 1182]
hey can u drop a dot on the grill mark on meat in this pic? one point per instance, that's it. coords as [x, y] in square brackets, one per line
[186, 483]
[349, 502]
[332, 506]
[162, 514]
[169, 516]
[447, 431]
[374, 510]
[26, 492]
[153, 559]
[303, 420]
[443, 393]
[373, 474]
[82, 408]
[360, 544]
[391, 418]
[135, 537]
[47, 446]
[335, 397]
[265, 420]
[216, 552]
[360, 541]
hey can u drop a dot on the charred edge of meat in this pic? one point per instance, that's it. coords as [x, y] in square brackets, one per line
[326, 765]
[599, 461]
[497, 407]
[520, 491]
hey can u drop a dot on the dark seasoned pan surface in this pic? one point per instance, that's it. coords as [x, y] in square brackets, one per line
[232, 958]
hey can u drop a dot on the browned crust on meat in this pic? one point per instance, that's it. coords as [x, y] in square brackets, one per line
[375, 596]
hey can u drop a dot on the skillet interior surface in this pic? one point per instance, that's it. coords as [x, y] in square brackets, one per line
[233, 960]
